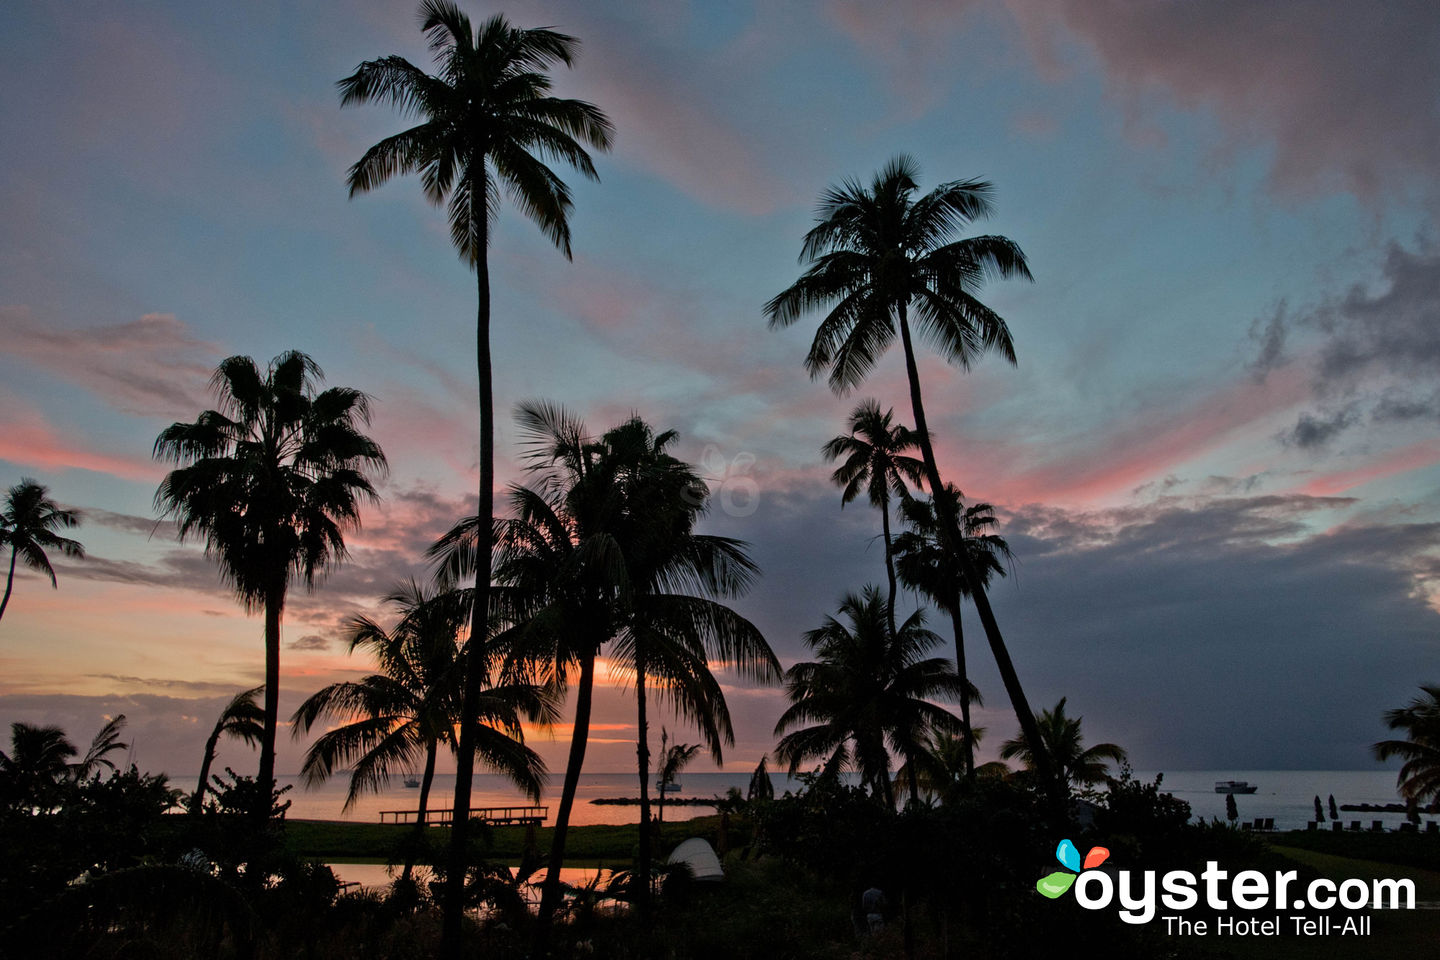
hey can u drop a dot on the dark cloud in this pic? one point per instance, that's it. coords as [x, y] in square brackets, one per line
[1343, 101]
[1374, 350]
[1199, 632]
[1397, 406]
[311, 641]
[1313, 431]
[1270, 339]
[1221, 633]
[1394, 330]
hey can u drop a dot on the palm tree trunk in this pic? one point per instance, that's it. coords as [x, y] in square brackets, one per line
[642, 759]
[199, 798]
[480, 612]
[952, 539]
[274, 605]
[429, 776]
[9, 583]
[889, 563]
[579, 737]
[967, 733]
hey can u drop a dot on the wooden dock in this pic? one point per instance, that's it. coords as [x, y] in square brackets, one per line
[495, 816]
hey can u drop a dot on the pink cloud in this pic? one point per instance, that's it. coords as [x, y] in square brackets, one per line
[149, 366]
[30, 440]
[1145, 448]
[1414, 456]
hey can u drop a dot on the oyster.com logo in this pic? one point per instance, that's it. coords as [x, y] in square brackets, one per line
[1057, 883]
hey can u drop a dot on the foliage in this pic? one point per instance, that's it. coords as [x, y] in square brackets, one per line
[27, 524]
[1419, 776]
[868, 693]
[270, 480]
[1075, 764]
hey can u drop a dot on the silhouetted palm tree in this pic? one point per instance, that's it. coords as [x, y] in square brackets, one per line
[602, 550]
[1419, 777]
[926, 566]
[1075, 764]
[868, 689]
[390, 720]
[243, 719]
[674, 757]
[486, 120]
[270, 480]
[874, 460]
[40, 761]
[106, 741]
[875, 255]
[28, 524]
[943, 763]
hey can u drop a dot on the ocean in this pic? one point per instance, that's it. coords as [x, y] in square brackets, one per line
[1286, 796]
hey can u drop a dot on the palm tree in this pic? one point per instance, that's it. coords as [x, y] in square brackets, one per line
[601, 549]
[28, 524]
[105, 742]
[874, 460]
[926, 566]
[945, 761]
[270, 480]
[868, 689]
[391, 719]
[243, 719]
[38, 761]
[1419, 777]
[676, 625]
[1074, 763]
[674, 757]
[486, 120]
[874, 253]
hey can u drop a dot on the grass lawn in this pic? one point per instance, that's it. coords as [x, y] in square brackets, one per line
[1394, 933]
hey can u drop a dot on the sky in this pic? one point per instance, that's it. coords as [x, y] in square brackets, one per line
[1216, 460]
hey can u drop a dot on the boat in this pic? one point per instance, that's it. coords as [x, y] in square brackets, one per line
[663, 787]
[1235, 786]
[412, 782]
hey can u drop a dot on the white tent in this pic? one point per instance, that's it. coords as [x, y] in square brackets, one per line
[700, 857]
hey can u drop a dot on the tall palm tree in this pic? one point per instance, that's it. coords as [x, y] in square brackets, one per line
[601, 550]
[243, 719]
[392, 719]
[676, 624]
[1074, 763]
[926, 566]
[28, 524]
[874, 254]
[875, 461]
[1419, 777]
[486, 120]
[270, 480]
[867, 695]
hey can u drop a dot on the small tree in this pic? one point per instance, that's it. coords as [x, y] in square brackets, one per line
[1319, 811]
[1232, 813]
[1334, 813]
[673, 759]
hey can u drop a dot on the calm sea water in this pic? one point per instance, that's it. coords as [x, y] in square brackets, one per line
[1286, 796]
